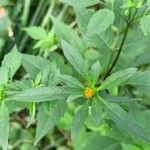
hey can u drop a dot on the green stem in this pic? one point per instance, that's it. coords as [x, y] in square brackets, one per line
[26, 11]
[37, 11]
[128, 24]
[46, 18]
[60, 16]
[119, 51]
[139, 17]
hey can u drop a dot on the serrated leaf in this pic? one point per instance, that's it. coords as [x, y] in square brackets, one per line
[34, 64]
[83, 17]
[119, 99]
[71, 37]
[100, 21]
[96, 111]
[36, 33]
[4, 125]
[78, 121]
[48, 116]
[12, 61]
[103, 43]
[117, 78]
[50, 75]
[124, 120]
[71, 81]
[75, 58]
[39, 94]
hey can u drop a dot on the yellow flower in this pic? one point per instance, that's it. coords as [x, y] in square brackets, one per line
[88, 93]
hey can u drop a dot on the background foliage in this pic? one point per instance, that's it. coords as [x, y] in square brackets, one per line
[74, 74]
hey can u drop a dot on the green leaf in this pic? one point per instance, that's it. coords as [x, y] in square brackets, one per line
[124, 120]
[36, 33]
[102, 44]
[50, 75]
[78, 121]
[145, 23]
[34, 64]
[92, 54]
[39, 94]
[12, 61]
[71, 81]
[83, 17]
[4, 125]
[95, 71]
[81, 3]
[117, 78]
[71, 37]
[100, 21]
[95, 141]
[74, 58]
[143, 58]
[141, 81]
[96, 111]
[74, 97]
[15, 106]
[32, 113]
[48, 116]
[119, 99]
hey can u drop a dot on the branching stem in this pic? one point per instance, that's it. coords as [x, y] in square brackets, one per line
[128, 24]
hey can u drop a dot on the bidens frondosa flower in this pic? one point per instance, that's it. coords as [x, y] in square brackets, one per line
[88, 92]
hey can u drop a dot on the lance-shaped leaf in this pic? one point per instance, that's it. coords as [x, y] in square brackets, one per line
[78, 121]
[33, 64]
[36, 33]
[100, 21]
[74, 97]
[32, 113]
[48, 116]
[75, 58]
[71, 81]
[4, 125]
[12, 61]
[71, 37]
[141, 80]
[123, 120]
[119, 99]
[95, 71]
[117, 78]
[95, 141]
[96, 111]
[83, 16]
[39, 94]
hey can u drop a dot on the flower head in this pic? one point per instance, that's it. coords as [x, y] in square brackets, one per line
[88, 92]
